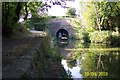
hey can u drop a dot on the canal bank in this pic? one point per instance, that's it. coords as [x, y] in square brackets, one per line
[31, 57]
[46, 62]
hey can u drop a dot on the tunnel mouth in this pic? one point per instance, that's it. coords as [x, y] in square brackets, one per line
[63, 32]
[62, 37]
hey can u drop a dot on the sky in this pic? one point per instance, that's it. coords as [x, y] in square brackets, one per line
[57, 10]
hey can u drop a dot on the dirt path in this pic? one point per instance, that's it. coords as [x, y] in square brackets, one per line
[17, 55]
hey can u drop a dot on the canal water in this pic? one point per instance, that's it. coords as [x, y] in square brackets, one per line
[90, 60]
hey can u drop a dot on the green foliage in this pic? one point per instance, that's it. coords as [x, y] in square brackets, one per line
[11, 12]
[10, 15]
[89, 17]
[48, 50]
[101, 15]
[38, 23]
[53, 17]
[98, 60]
[76, 23]
[86, 37]
[89, 62]
[47, 60]
[34, 7]
[77, 27]
[82, 36]
[113, 41]
[71, 63]
[99, 37]
[104, 37]
[71, 12]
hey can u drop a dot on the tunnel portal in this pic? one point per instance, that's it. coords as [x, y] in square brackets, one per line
[63, 32]
[62, 37]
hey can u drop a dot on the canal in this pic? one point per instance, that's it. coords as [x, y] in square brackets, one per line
[82, 60]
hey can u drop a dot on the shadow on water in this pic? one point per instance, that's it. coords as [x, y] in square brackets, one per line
[91, 60]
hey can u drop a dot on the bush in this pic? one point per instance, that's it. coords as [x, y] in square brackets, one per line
[37, 23]
[105, 37]
[71, 12]
[86, 37]
[113, 41]
[99, 37]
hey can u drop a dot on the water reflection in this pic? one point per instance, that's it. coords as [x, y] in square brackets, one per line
[98, 62]
[62, 42]
[74, 71]
[89, 63]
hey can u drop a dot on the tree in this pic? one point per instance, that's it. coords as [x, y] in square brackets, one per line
[102, 15]
[71, 12]
[11, 12]
[10, 15]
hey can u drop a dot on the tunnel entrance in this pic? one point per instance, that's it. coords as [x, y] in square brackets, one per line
[62, 33]
[62, 37]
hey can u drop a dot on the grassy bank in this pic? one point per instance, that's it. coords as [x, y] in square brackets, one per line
[47, 61]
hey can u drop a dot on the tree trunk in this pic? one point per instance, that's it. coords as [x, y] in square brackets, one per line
[18, 9]
[98, 21]
[26, 10]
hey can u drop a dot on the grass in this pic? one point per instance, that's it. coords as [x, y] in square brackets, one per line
[48, 61]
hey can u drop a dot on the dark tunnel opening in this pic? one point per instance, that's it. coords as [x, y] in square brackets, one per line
[62, 33]
[62, 37]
